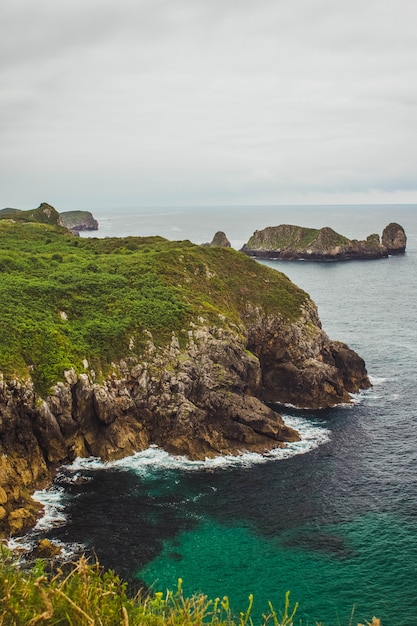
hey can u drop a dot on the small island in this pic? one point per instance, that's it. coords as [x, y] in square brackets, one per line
[288, 243]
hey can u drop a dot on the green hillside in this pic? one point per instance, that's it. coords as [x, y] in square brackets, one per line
[66, 299]
[44, 214]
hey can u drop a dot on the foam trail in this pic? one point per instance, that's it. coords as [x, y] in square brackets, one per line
[53, 501]
[154, 461]
[153, 458]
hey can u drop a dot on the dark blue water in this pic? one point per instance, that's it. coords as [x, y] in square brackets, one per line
[334, 520]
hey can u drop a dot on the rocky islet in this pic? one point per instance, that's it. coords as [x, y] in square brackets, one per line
[287, 242]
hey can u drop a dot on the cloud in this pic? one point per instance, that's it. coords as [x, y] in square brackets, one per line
[171, 101]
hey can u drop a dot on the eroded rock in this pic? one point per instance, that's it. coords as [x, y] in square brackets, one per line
[202, 398]
[287, 242]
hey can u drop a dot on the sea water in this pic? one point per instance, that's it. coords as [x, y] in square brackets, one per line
[333, 518]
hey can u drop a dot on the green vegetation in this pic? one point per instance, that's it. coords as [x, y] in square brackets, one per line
[287, 237]
[87, 596]
[65, 299]
[44, 214]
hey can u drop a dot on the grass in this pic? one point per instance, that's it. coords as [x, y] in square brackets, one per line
[86, 595]
[66, 299]
[285, 237]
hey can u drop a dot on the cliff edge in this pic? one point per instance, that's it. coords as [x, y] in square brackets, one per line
[79, 220]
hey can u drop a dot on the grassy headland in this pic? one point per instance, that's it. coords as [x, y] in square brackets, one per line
[67, 299]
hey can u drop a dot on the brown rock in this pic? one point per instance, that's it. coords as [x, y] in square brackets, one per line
[221, 240]
[46, 550]
[394, 239]
[204, 398]
[3, 496]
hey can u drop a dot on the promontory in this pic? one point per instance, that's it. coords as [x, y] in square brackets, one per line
[73, 220]
[110, 345]
[287, 242]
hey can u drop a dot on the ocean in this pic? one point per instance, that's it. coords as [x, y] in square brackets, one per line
[332, 519]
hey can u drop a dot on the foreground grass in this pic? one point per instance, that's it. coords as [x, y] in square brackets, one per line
[85, 595]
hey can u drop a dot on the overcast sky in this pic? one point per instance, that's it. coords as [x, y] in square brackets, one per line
[173, 102]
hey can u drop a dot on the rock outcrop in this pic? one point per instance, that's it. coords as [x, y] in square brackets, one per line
[219, 240]
[79, 220]
[394, 240]
[203, 399]
[287, 242]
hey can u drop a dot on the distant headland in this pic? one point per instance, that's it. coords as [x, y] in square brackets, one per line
[45, 213]
[288, 242]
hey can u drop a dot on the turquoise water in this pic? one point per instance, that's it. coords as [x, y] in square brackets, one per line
[320, 565]
[335, 520]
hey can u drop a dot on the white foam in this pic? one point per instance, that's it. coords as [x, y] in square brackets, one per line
[53, 503]
[312, 432]
[377, 380]
[153, 460]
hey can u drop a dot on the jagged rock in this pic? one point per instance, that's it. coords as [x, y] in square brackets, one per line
[45, 550]
[302, 368]
[203, 399]
[287, 242]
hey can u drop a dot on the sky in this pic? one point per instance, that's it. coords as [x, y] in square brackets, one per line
[108, 103]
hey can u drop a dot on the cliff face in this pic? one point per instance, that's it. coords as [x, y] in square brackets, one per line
[204, 399]
[288, 242]
[79, 220]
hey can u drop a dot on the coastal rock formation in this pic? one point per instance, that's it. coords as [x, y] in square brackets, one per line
[204, 399]
[219, 240]
[117, 344]
[394, 239]
[79, 220]
[287, 242]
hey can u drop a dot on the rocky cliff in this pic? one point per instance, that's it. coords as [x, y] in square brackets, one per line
[196, 380]
[79, 220]
[204, 399]
[288, 242]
